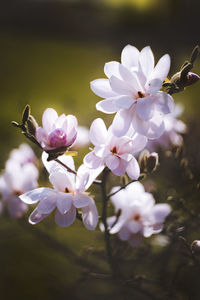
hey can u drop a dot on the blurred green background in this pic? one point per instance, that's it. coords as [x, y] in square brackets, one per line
[49, 52]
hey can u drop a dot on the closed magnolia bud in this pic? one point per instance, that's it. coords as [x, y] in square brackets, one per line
[195, 247]
[32, 125]
[152, 162]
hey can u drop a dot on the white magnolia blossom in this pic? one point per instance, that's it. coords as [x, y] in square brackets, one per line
[57, 132]
[67, 195]
[20, 175]
[82, 137]
[133, 91]
[139, 217]
[172, 135]
[114, 152]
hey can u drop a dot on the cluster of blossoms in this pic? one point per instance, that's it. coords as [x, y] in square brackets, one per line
[144, 114]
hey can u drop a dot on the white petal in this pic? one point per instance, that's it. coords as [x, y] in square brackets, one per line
[117, 227]
[61, 180]
[93, 173]
[107, 106]
[36, 195]
[65, 220]
[112, 68]
[136, 144]
[48, 119]
[121, 169]
[123, 101]
[146, 60]
[161, 211]
[112, 162]
[102, 88]
[153, 86]
[36, 217]
[130, 56]
[52, 165]
[71, 129]
[81, 200]
[161, 69]
[163, 103]
[132, 80]
[121, 122]
[124, 233]
[92, 161]
[90, 215]
[98, 132]
[64, 202]
[121, 87]
[47, 204]
[133, 169]
[145, 108]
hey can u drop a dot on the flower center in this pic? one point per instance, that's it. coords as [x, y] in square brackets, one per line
[67, 190]
[136, 217]
[57, 138]
[114, 150]
[141, 94]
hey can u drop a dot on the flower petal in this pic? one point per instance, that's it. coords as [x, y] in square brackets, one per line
[130, 56]
[121, 87]
[65, 220]
[124, 101]
[163, 103]
[107, 106]
[145, 108]
[92, 161]
[36, 195]
[121, 122]
[112, 161]
[161, 69]
[133, 169]
[90, 215]
[101, 87]
[62, 180]
[36, 217]
[98, 132]
[64, 202]
[121, 169]
[161, 211]
[146, 60]
[47, 204]
[80, 200]
[124, 233]
[112, 68]
[48, 119]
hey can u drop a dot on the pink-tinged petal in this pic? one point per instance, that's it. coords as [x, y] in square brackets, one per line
[124, 233]
[133, 169]
[161, 69]
[135, 239]
[48, 119]
[80, 200]
[112, 162]
[90, 215]
[82, 178]
[161, 211]
[59, 122]
[65, 220]
[121, 122]
[107, 106]
[98, 132]
[121, 169]
[152, 129]
[146, 60]
[163, 103]
[130, 56]
[47, 204]
[93, 173]
[134, 226]
[117, 227]
[64, 202]
[61, 180]
[131, 78]
[71, 124]
[41, 135]
[126, 156]
[36, 217]
[102, 88]
[112, 68]
[121, 87]
[92, 161]
[153, 86]
[123, 101]
[145, 108]
[36, 195]
[136, 144]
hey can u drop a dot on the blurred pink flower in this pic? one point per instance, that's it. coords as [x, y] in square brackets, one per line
[57, 132]
[139, 217]
[20, 175]
[114, 152]
[67, 195]
[132, 90]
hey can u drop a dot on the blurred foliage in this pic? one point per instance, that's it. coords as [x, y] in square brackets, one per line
[49, 53]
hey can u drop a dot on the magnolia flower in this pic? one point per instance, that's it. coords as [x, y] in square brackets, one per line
[139, 217]
[20, 175]
[67, 195]
[132, 90]
[173, 130]
[57, 132]
[116, 153]
[82, 137]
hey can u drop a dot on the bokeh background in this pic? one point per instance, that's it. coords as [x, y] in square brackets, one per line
[49, 52]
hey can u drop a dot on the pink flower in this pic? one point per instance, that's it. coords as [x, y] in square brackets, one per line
[116, 153]
[67, 195]
[140, 216]
[132, 90]
[20, 175]
[57, 132]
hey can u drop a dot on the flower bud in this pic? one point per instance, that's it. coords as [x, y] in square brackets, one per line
[57, 138]
[32, 125]
[195, 247]
[191, 78]
[152, 162]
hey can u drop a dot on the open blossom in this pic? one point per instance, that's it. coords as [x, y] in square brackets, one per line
[57, 132]
[139, 217]
[132, 90]
[20, 175]
[114, 152]
[67, 195]
[173, 130]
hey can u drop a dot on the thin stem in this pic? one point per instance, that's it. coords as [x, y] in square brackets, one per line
[65, 166]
